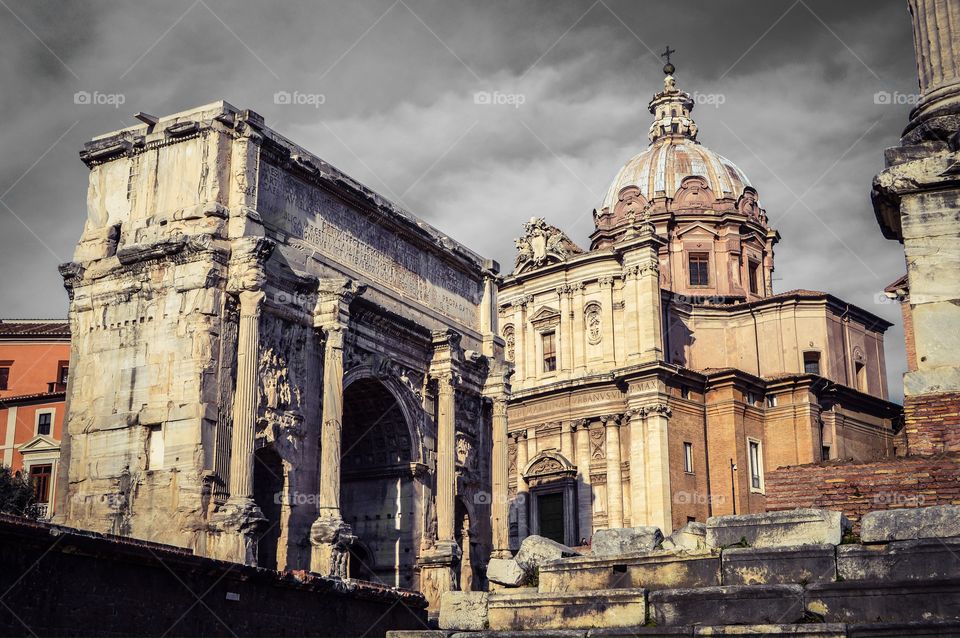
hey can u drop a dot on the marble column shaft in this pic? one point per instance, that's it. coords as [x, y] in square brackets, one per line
[522, 492]
[331, 430]
[446, 457]
[500, 510]
[245, 397]
[614, 473]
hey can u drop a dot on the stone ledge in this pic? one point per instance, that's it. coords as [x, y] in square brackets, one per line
[577, 610]
[754, 604]
[941, 521]
[779, 565]
[651, 571]
[777, 529]
[900, 560]
[902, 601]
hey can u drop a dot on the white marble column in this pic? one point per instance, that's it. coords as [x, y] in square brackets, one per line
[523, 494]
[584, 490]
[500, 510]
[330, 536]
[609, 351]
[245, 397]
[614, 473]
[446, 456]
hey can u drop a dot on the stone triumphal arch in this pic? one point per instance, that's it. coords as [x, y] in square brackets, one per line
[271, 363]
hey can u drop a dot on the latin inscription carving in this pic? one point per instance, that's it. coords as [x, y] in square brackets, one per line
[345, 236]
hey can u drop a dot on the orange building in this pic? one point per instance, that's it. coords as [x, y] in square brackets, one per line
[34, 360]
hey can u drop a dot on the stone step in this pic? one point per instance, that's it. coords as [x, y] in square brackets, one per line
[920, 629]
[747, 604]
[651, 571]
[779, 565]
[567, 610]
[885, 601]
[900, 560]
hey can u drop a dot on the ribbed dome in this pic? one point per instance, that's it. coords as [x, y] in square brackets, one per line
[660, 168]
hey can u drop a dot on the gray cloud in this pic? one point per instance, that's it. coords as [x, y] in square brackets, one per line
[399, 78]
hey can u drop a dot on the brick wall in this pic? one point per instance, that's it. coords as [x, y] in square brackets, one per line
[857, 488]
[59, 581]
[932, 423]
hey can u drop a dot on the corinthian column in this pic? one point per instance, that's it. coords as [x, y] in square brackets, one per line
[446, 457]
[240, 520]
[330, 536]
[936, 39]
[498, 388]
[245, 397]
[614, 473]
[523, 527]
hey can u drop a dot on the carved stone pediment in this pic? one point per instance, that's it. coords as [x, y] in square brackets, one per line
[542, 244]
[549, 464]
[694, 193]
[545, 317]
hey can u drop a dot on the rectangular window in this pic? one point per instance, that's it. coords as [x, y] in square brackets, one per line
[752, 398]
[4, 378]
[756, 466]
[63, 370]
[772, 401]
[549, 351]
[40, 477]
[860, 371]
[825, 453]
[684, 392]
[754, 273]
[811, 362]
[44, 423]
[155, 448]
[688, 457]
[699, 269]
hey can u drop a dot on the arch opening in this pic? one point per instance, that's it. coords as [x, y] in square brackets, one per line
[377, 485]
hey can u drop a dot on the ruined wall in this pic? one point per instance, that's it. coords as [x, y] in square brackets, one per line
[95, 586]
[857, 488]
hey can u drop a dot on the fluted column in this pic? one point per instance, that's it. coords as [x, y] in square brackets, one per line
[245, 397]
[523, 495]
[330, 536]
[446, 456]
[584, 491]
[614, 473]
[500, 510]
[936, 40]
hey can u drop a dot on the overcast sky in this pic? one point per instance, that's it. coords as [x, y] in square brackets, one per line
[794, 92]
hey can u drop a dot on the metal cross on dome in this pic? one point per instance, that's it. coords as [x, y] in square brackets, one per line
[667, 53]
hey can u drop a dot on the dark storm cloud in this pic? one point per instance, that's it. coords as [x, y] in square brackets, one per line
[798, 81]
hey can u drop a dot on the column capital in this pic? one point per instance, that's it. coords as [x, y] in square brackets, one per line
[519, 434]
[578, 424]
[332, 310]
[610, 420]
[657, 409]
[605, 281]
[248, 257]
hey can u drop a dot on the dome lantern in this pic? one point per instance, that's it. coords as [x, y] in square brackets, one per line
[671, 108]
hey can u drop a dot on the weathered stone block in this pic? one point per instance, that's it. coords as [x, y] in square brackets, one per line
[508, 611]
[537, 550]
[917, 629]
[463, 610]
[779, 565]
[900, 560]
[692, 537]
[820, 630]
[505, 571]
[658, 570]
[859, 601]
[940, 521]
[756, 604]
[778, 529]
[628, 540]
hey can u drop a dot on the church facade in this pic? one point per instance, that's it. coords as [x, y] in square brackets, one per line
[657, 373]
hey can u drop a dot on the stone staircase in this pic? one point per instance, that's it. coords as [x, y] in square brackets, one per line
[795, 573]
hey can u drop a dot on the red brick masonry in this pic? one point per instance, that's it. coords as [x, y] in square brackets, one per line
[856, 488]
[932, 423]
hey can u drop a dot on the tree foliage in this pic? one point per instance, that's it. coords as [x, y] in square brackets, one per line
[16, 494]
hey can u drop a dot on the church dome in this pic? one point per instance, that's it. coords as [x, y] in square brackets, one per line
[659, 170]
[674, 155]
